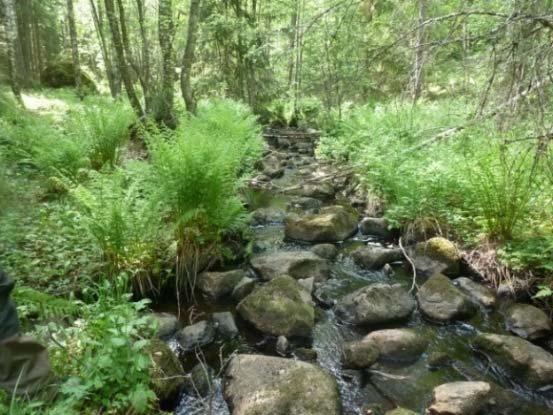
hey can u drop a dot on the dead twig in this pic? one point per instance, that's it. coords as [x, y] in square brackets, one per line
[412, 263]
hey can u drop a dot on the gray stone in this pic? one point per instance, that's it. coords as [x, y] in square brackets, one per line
[326, 251]
[322, 191]
[331, 224]
[398, 344]
[376, 304]
[297, 264]
[375, 226]
[166, 324]
[256, 384]
[527, 321]
[375, 257]
[359, 354]
[477, 292]
[523, 360]
[225, 324]
[308, 284]
[459, 398]
[197, 335]
[243, 288]
[216, 285]
[440, 300]
[279, 307]
[400, 411]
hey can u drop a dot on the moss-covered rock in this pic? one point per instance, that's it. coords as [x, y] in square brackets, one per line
[376, 304]
[216, 285]
[526, 362]
[359, 354]
[332, 224]
[398, 344]
[400, 411]
[280, 307]
[167, 374]
[60, 74]
[375, 257]
[440, 300]
[263, 385]
[442, 252]
[459, 398]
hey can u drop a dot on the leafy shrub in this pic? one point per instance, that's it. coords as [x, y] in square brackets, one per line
[196, 173]
[124, 223]
[281, 112]
[102, 359]
[104, 126]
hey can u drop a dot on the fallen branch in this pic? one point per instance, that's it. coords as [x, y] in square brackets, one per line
[413, 267]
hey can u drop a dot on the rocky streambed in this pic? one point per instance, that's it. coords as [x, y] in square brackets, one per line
[325, 318]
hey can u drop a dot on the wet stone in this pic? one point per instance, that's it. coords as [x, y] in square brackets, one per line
[196, 335]
[225, 324]
[477, 292]
[326, 251]
[527, 321]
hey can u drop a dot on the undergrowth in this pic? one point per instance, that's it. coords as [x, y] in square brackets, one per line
[474, 183]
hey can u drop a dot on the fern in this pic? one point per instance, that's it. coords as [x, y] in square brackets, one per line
[31, 302]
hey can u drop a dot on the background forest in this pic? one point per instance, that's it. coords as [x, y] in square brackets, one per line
[130, 128]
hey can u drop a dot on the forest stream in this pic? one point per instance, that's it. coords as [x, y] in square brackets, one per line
[449, 354]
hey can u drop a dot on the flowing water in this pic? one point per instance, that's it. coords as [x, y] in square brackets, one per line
[386, 385]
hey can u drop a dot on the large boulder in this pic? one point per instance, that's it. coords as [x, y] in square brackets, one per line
[375, 227]
[527, 321]
[166, 373]
[398, 344]
[375, 257]
[196, 335]
[440, 300]
[280, 307]
[331, 224]
[437, 255]
[256, 384]
[297, 264]
[459, 398]
[216, 285]
[523, 360]
[478, 293]
[376, 304]
[61, 74]
[359, 354]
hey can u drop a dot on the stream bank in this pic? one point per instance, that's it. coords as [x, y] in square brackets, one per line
[336, 307]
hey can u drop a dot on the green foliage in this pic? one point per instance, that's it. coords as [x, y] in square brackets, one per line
[104, 126]
[532, 253]
[36, 304]
[120, 216]
[281, 112]
[102, 359]
[196, 174]
[471, 182]
[47, 245]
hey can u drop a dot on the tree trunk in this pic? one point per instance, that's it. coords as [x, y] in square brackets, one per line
[188, 57]
[10, 26]
[122, 62]
[293, 37]
[165, 113]
[419, 53]
[105, 52]
[146, 74]
[74, 47]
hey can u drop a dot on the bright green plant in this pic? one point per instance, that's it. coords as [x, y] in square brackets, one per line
[104, 126]
[123, 221]
[196, 174]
